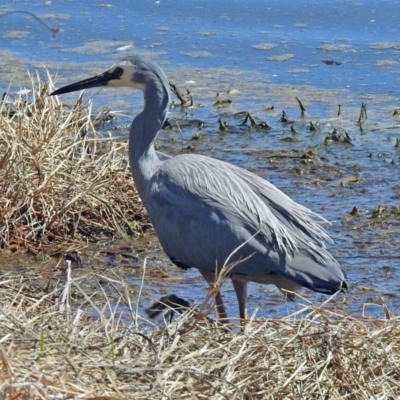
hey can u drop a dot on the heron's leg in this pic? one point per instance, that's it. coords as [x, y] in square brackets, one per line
[210, 278]
[241, 294]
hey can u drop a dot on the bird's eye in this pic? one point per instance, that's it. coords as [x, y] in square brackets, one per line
[118, 72]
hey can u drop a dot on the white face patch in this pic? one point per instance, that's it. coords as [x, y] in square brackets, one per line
[126, 79]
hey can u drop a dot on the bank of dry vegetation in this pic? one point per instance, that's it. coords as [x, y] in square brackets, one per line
[59, 180]
[50, 349]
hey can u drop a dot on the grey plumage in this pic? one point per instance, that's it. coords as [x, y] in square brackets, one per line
[202, 209]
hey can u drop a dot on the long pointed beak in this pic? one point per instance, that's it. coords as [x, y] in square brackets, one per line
[95, 81]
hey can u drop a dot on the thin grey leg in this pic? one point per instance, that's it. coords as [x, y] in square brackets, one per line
[241, 294]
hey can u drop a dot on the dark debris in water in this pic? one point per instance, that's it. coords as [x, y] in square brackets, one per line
[169, 304]
[331, 62]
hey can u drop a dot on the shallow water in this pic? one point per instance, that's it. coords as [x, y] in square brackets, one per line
[257, 55]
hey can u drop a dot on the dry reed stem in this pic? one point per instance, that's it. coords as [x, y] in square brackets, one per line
[59, 180]
[46, 353]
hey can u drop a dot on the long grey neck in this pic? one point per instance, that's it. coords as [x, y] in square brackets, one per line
[142, 155]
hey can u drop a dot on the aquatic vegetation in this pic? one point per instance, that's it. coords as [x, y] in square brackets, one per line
[254, 124]
[336, 136]
[264, 46]
[314, 126]
[281, 58]
[223, 125]
[285, 119]
[184, 103]
[219, 103]
[302, 108]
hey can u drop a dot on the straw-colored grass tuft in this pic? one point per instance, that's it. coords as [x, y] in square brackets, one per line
[58, 179]
[49, 349]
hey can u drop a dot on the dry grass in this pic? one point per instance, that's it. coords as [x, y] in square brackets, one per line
[50, 349]
[58, 179]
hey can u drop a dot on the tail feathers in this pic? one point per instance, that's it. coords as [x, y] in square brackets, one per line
[323, 278]
[326, 286]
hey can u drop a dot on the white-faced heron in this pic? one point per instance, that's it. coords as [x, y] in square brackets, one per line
[202, 209]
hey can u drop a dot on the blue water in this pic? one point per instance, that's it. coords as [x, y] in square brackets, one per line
[226, 30]
[216, 46]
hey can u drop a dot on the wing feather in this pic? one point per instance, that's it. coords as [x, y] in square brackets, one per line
[246, 200]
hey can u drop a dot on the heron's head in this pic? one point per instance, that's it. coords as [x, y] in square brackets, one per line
[137, 72]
